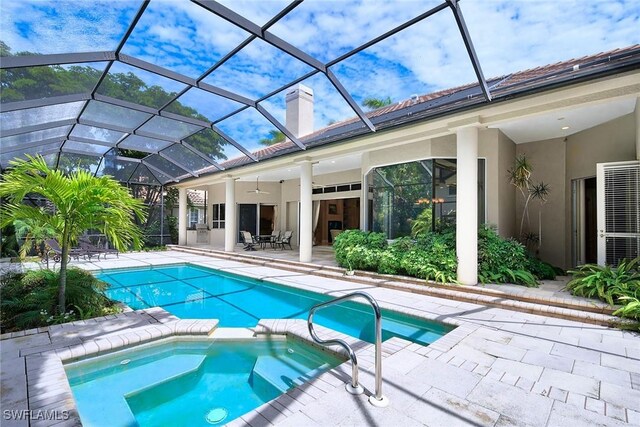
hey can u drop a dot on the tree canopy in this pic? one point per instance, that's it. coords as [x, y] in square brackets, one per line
[375, 103]
[275, 137]
[19, 84]
[79, 201]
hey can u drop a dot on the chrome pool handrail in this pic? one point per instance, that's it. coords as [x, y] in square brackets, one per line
[354, 387]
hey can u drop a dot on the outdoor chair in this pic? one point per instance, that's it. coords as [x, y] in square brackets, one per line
[275, 235]
[54, 247]
[86, 245]
[249, 241]
[285, 240]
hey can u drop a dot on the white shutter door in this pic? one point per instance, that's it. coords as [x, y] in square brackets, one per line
[618, 211]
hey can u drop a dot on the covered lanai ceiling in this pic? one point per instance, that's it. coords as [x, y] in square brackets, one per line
[158, 91]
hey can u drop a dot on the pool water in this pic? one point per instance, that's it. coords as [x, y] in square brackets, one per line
[195, 292]
[190, 383]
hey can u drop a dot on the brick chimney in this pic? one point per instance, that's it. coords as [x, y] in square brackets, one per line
[299, 119]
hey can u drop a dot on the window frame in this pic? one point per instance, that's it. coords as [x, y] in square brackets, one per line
[218, 216]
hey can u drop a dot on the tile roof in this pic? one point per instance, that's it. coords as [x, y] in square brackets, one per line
[196, 197]
[453, 99]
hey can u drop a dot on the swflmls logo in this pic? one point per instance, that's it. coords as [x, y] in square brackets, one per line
[26, 414]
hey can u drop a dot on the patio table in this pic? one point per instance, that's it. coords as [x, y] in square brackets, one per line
[263, 239]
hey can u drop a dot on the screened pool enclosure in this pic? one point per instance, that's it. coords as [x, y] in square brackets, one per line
[113, 92]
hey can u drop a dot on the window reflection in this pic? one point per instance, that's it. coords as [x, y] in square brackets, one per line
[415, 197]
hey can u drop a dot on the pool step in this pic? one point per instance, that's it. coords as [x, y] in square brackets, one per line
[129, 380]
[593, 313]
[272, 374]
[167, 370]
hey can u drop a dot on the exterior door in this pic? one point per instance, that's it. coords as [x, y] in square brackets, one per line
[293, 224]
[247, 218]
[618, 199]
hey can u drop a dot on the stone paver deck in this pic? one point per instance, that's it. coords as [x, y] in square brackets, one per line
[498, 367]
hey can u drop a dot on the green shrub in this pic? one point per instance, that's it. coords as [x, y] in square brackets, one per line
[29, 300]
[432, 256]
[389, 262]
[345, 240]
[605, 282]
[542, 270]
[426, 265]
[345, 243]
[362, 258]
[630, 309]
[502, 260]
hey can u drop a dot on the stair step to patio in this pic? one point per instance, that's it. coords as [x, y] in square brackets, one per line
[581, 311]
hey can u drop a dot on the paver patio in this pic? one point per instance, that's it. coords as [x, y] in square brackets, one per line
[499, 367]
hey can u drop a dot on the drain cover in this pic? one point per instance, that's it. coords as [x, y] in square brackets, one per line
[125, 362]
[216, 415]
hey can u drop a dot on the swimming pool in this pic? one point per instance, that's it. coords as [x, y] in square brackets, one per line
[191, 383]
[195, 292]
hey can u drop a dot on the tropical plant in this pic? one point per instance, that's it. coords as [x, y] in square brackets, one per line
[34, 234]
[542, 270]
[375, 103]
[170, 202]
[80, 202]
[630, 309]
[423, 222]
[605, 282]
[9, 246]
[275, 137]
[432, 256]
[29, 299]
[502, 260]
[520, 177]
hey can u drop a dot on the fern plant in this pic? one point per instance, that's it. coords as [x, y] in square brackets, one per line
[631, 309]
[605, 282]
[29, 299]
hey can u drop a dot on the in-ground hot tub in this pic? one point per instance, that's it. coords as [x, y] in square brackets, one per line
[179, 381]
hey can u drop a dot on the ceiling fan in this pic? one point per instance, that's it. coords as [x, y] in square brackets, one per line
[258, 190]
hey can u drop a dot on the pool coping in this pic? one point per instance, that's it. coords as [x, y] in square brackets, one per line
[482, 339]
[593, 312]
[51, 393]
[418, 314]
[50, 359]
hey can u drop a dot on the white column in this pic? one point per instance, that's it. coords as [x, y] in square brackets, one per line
[467, 205]
[182, 216]
[364, 193]
[638, 128]
[306, 211]
[230, 214]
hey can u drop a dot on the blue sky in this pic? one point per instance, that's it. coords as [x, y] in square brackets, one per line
[509, 35]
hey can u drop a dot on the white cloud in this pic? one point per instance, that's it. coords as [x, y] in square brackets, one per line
[516, 35]
[64, 26]
[508, 36]
[256, 70]
[258, 11]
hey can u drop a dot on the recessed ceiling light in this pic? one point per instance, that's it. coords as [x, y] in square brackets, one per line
[565, 127]
[333, 161]
[288, 170]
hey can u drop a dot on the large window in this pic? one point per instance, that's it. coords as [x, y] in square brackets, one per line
[411, 197]
[217, 216]
[194, 215]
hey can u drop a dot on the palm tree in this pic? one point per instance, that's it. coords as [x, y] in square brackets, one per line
[275, 136]
[375, 103]
[80, 202]
[520, 177]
